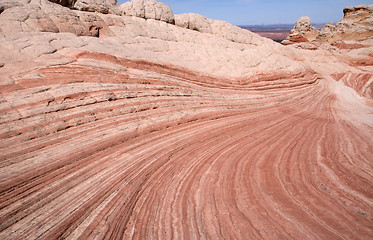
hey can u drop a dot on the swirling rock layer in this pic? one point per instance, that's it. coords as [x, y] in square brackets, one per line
[118, 127]
[138, 150]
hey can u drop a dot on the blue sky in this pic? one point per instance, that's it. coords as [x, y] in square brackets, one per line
[252, 12]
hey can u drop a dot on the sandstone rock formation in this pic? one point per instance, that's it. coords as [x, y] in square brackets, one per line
[148, 9]
[194, 21]
[49, 17]
[302, 32]
[117, 127]
[102, 6]
[65, 3]
[356, 25]
[222, 29]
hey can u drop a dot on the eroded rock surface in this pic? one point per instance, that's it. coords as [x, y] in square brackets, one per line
[302, 31]
[356, 25]
[220, 28]
[118, 127]
[148, 9]
[102, 6]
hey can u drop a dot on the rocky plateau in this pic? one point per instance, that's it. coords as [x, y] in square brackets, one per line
[130, 122]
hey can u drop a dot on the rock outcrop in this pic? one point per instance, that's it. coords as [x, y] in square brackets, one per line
[101, 6]
[194, 21]
[302, 32]
[65, 3]
[223, 29]
[117, 127]
[148, 9]
[356, 25]
[50, 17]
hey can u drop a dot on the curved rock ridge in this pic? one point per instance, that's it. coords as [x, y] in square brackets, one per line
[118, 127]
[148, 9]
[356, 25]
[220, 28]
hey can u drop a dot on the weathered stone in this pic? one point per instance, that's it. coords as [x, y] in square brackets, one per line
[65, 3]
[101, 6]
[223, 29]
[148, 9]
[357, 24]
[154, 131]
[4, 4]
[303, 31]
[194, 21]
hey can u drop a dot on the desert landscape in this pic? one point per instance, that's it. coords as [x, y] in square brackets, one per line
[132, 122]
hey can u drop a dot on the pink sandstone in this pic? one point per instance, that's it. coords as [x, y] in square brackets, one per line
[120, 127]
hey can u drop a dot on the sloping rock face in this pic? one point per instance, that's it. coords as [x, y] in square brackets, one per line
[154, 131]
[356, 25]
[148, 9]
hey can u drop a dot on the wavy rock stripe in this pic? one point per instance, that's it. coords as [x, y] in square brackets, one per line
[108, 148]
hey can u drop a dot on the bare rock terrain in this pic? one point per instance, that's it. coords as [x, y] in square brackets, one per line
[356, 25]
[148, 9]
[125, 126]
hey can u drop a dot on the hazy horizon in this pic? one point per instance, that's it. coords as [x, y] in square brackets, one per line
[258, 12]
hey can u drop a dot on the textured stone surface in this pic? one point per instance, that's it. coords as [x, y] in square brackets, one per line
[357, 25]
[194, 21]
[146, 130]
[302, 31]
[222, 29]
[101, 6]
[148, 9]
[65, 3]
